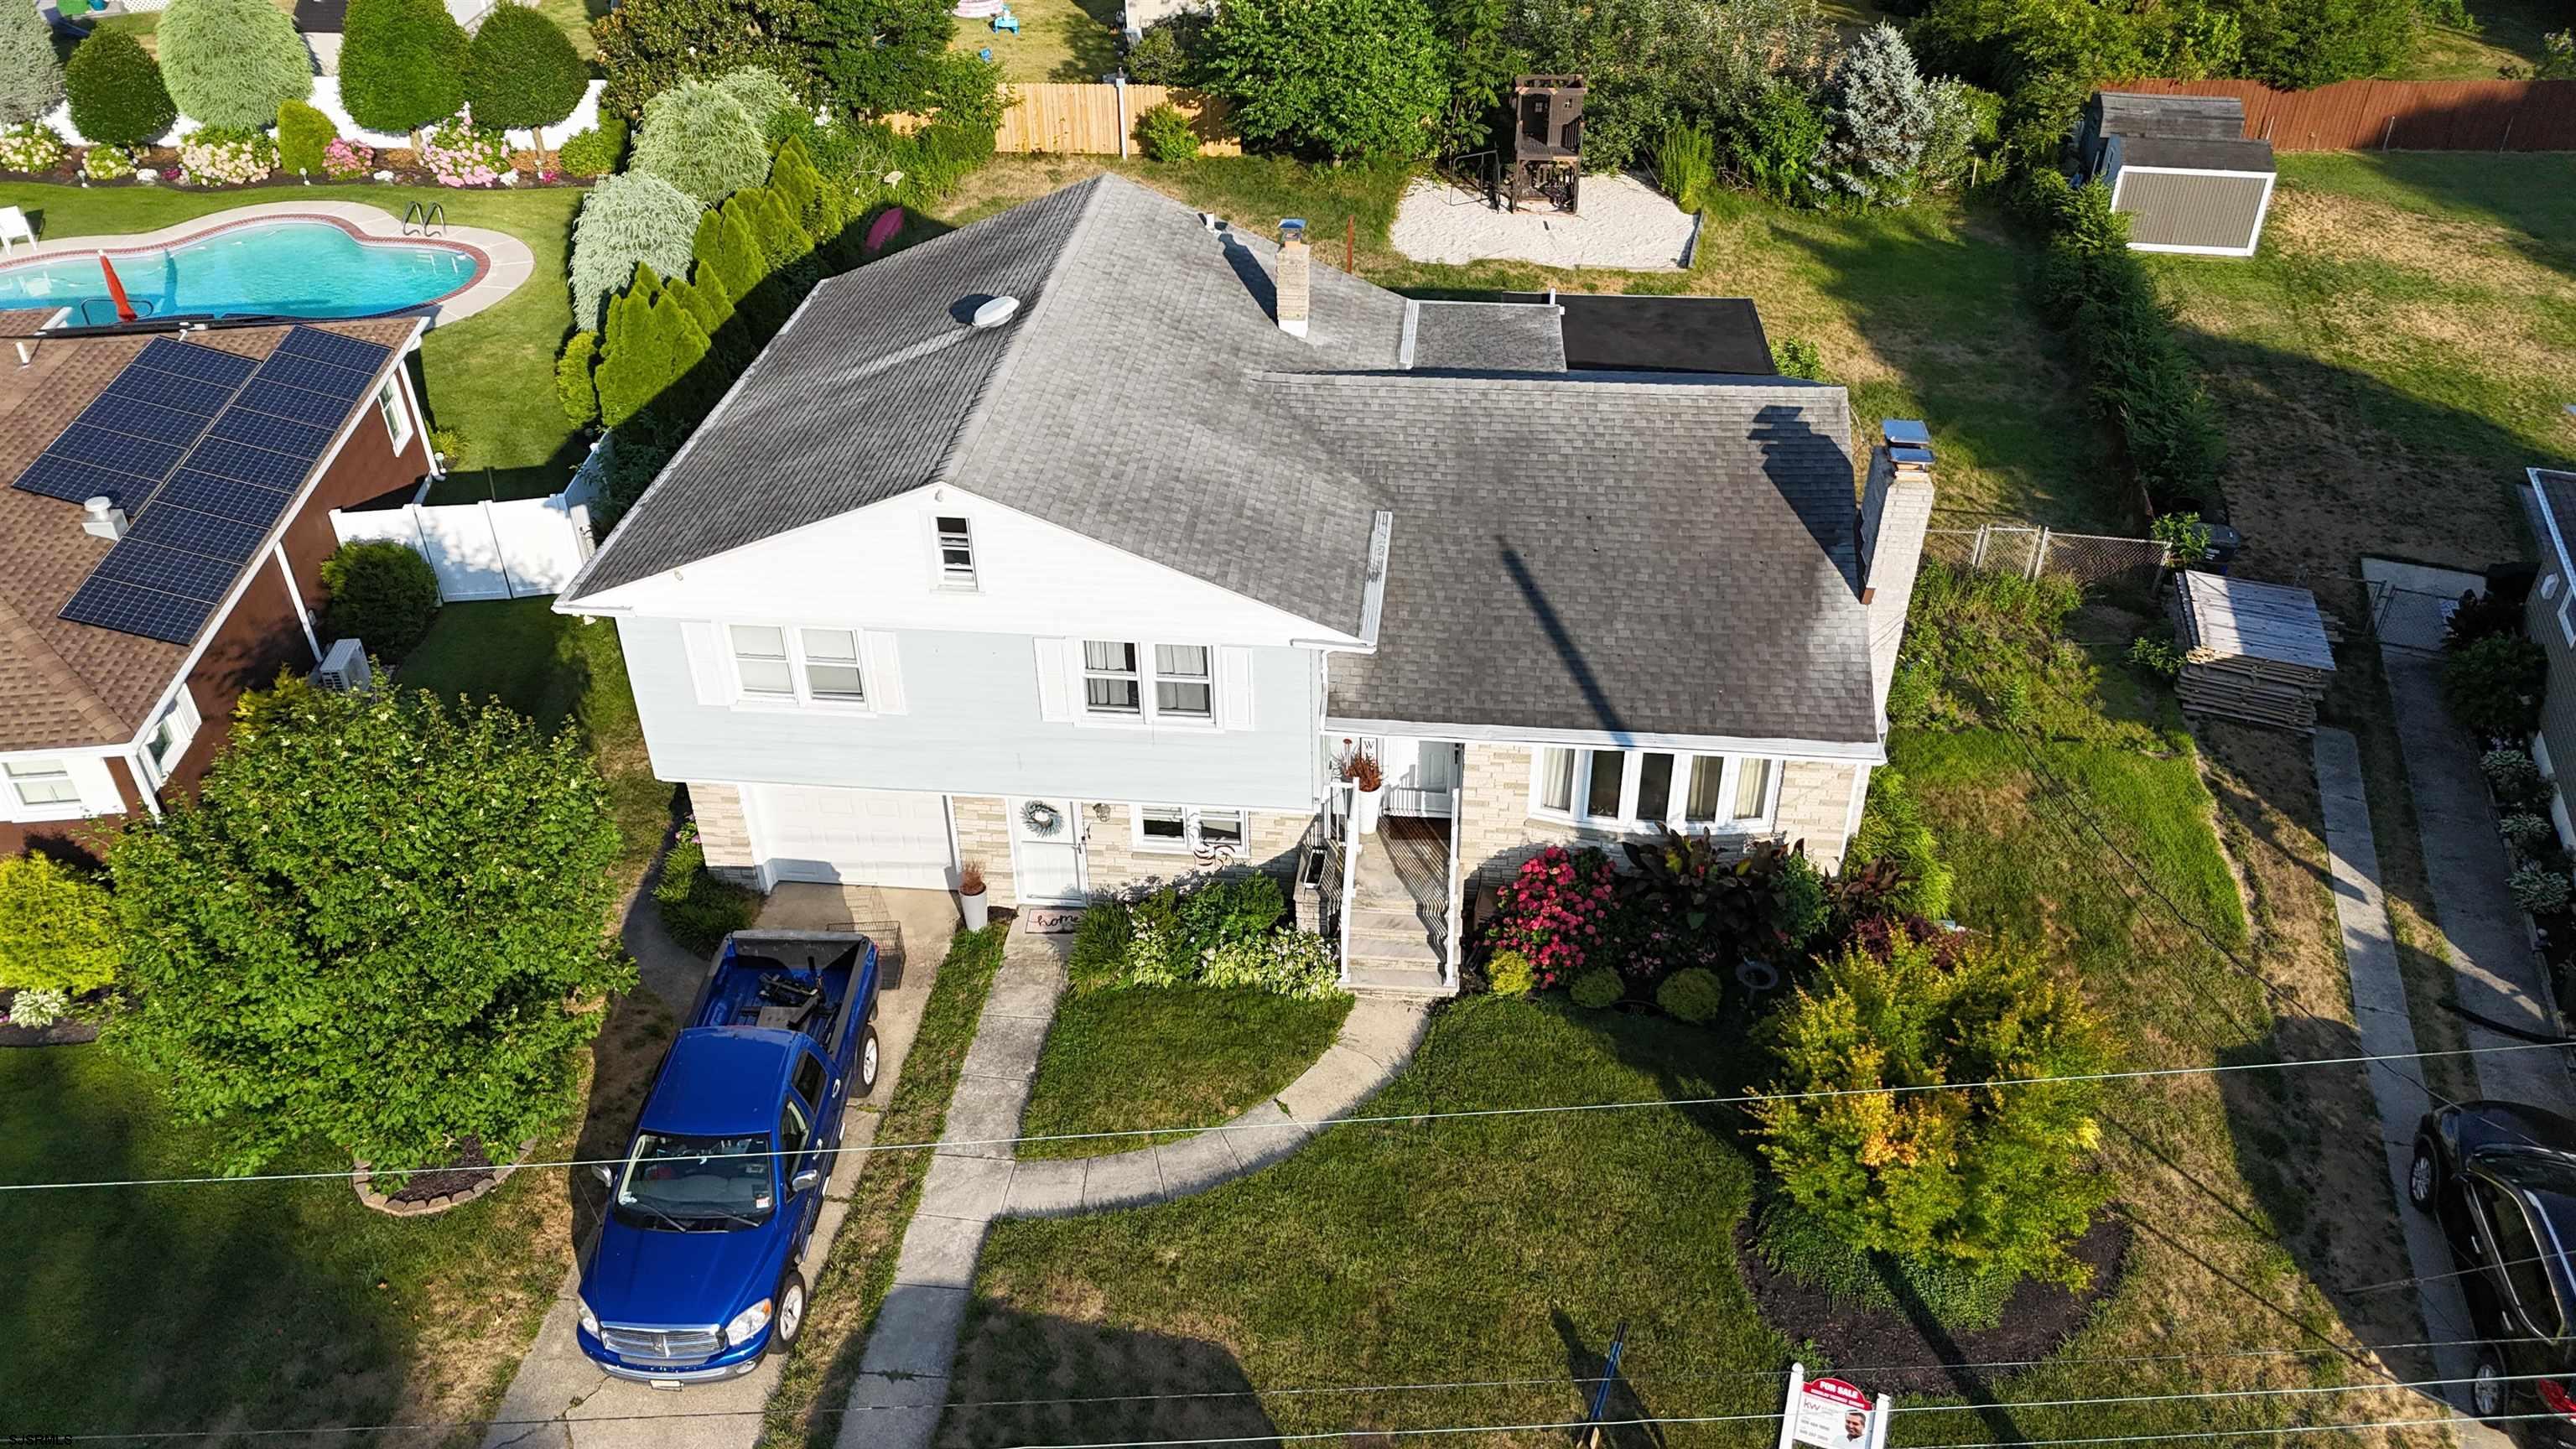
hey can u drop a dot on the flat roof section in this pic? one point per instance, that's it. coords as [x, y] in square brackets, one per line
[1660, 334]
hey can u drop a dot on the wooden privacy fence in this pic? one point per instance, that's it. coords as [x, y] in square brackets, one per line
[1099, 119]
[2376, 115]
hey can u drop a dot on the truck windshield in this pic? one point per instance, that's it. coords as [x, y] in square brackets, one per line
[697, 1183]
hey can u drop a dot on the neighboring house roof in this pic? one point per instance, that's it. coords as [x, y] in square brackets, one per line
[63, 683]
[2215, 118]
[1661, 334]
[2188, 154]
[1622, 551]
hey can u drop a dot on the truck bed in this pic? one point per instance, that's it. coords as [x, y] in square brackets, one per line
[758, 978]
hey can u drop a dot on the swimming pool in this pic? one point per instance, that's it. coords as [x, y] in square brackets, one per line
[288, 268]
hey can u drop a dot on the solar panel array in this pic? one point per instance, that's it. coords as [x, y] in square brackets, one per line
[219, 489]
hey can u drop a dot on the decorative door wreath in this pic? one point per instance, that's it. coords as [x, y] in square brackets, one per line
[1041, 818]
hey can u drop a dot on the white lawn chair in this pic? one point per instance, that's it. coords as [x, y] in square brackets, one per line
[14, 229]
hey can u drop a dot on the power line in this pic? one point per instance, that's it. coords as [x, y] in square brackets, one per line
[1387, 1119]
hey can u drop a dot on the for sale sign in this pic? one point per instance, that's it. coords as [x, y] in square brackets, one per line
[1831, 1414]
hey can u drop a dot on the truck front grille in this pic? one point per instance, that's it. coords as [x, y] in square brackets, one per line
[676, 1347]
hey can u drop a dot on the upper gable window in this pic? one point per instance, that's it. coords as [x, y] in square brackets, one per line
[389, 406]
[956, 552]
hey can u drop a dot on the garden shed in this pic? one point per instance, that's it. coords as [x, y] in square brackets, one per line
[2181, 169]
[2262, 653]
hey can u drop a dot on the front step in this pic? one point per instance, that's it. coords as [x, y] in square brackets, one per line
[1379, 976]
[1409, 945]
[1389, 920]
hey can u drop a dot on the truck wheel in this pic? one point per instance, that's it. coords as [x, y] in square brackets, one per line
[867, 1082]
[791, 1310]
[2489, 1393]
[2423, 1176]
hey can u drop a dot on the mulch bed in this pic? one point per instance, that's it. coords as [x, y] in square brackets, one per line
[66, 1032]
[472, 1168]
[407, 172]
[2036, 1319]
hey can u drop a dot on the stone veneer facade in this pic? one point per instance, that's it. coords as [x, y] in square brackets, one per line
[1496, 831]
[723, 833]
[984, 835]
[1112, 863]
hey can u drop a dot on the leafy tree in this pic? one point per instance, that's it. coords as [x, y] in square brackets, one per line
[1482, 56]
[58, 927]
[116, 91]
[31, 79]
[1330, 80]
[1965, 122]
[1166, 53]
[522, 74]
[303, 134]
[726, 243]
[881, 57]
[626, 219]
[652, 343]
[383, 922]
[1654, 64]
[402, 64]
[698, 137]
[1881, 114]
[382, 593]
[800, 189]
[1776, 138]
[648, 46]
[2302, 44]
[1994, 1179]
[232, 63]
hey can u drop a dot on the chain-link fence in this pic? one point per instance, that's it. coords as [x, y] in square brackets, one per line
[2132, 566]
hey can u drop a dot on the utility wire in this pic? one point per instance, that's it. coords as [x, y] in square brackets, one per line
[1393, 1118]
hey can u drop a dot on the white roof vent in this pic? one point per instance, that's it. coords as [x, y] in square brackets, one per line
[996, 311]
[101, 518]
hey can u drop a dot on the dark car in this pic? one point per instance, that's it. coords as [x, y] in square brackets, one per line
[2502, 1179]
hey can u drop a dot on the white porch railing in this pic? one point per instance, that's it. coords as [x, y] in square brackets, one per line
[1413, 800]
[1338, 832]
[1453, 952]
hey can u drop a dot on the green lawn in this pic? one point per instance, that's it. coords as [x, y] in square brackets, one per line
[1923, 313]
[491, 376]
[1187, 1056]
[2508, 34]
[1059, 40]
[554, 669]
[2393, 358]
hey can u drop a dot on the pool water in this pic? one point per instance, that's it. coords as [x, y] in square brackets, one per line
[280, 268]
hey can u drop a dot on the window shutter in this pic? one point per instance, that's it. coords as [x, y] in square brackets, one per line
[885, 675]
[1234, 686]
[189, 719]
[1055, 702]
[705, 645]
[94, 777]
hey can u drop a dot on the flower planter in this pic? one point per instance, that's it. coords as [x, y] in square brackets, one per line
[1365, 805]
[975, 906]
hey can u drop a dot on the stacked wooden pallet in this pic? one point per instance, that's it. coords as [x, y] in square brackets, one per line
[2255, 652]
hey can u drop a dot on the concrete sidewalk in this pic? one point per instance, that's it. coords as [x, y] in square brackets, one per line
[2386, 1029]
[559, 1399]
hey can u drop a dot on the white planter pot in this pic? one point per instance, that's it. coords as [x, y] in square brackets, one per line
[975, 910]
[1364, 808]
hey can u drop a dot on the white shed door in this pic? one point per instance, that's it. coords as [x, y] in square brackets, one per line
[851, 837]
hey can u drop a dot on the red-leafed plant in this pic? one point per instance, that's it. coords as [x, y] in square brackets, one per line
[1556, 912]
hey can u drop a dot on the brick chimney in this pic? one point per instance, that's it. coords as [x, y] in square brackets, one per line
[1895, 508]
[1296, 277]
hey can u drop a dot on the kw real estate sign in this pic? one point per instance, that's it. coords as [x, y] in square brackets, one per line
[1831, 1414]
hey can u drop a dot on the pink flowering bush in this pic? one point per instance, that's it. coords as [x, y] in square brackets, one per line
[459, 154]
[212, 156]
[347, 160]
[1556, 912]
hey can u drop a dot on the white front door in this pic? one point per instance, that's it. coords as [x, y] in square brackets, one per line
[1046, 851]
[850, 837]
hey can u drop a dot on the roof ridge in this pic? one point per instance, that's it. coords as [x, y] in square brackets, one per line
[998, 376]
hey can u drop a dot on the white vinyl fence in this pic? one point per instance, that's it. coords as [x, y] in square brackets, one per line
[489, 550]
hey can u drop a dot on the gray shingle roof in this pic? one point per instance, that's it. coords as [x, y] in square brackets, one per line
[2214, 118]
[2187, 154]
[1643, 552]
[1636, 553]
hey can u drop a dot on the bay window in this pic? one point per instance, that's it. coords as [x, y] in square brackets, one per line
[1645, 789]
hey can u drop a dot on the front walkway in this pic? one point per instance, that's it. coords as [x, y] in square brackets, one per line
[903, 1377]
[559, 1399]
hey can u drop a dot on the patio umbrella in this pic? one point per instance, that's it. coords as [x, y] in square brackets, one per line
[124, 309]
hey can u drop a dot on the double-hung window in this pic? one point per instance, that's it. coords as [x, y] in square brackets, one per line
[43, 784]
[956, 552]
[1175, 829]
[1644, 789]
[389, 406]
[1160, 682]
[805, 666]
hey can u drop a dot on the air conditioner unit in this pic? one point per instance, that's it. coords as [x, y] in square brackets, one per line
[344, 667]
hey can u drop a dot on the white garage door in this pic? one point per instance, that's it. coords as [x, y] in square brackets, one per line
[854, 837]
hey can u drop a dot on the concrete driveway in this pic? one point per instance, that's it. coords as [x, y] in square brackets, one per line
[559, 1399]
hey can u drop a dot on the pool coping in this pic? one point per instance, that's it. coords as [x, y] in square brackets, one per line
[507, 262]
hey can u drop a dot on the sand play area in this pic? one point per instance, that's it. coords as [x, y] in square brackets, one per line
[1625, 224]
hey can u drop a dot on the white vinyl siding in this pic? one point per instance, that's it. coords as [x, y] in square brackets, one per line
[1645, 789]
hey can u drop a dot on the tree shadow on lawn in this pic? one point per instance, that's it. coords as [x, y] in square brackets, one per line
[1061, 1380]
[1091, 36]
[623, 1058]
[2530, 196]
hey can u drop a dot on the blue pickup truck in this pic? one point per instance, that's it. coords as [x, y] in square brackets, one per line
[694, 1276]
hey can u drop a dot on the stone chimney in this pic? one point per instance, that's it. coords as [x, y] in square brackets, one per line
[1895, 508]
[1296, 277]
